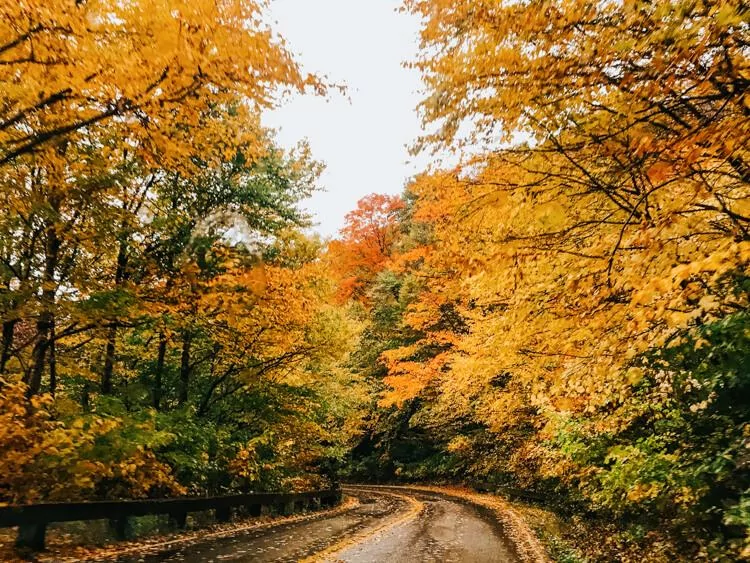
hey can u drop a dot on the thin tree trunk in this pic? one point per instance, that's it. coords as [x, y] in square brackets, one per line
[110, 349]
[86, 397]
[33, 378]
[216, 381]
[159, 374]
[39, 354]
[52, 361]
[109, 361]
[8, 334]
[46, 320]
[182, 397]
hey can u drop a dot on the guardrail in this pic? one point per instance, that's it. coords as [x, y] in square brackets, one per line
[32, 519]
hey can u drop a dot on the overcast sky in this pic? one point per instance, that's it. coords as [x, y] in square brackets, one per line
[362, 138]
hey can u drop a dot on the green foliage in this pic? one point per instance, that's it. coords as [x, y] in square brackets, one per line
[172, 330]
[681, 462]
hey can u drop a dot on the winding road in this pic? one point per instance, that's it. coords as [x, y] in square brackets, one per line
[392, 524]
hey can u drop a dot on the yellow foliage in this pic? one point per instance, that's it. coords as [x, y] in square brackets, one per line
[154, 70]
[33, 444]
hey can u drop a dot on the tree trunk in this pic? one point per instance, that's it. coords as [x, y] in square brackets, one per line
[86, 397]
[159, 374]
[52, 361]
[110, 349]
[39, 354]
[109, 361]
[182, 397]
[216, 381]
[8, 333]
[46, 319]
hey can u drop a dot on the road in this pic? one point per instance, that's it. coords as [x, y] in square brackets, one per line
[393, 524]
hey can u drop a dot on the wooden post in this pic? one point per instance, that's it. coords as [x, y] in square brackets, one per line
[31, 536]
[255, 509]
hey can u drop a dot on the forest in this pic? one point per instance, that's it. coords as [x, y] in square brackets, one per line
[560, 307]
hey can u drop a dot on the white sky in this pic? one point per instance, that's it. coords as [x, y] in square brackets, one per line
[362, 137]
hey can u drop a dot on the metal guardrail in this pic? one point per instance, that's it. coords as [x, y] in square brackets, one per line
[32, 519]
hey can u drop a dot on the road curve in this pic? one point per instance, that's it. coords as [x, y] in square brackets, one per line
[445, 529]
[393, 524]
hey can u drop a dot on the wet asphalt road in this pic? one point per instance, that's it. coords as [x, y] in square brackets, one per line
[392, 524]
[446, 530]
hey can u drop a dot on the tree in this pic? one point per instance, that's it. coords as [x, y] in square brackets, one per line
[366, 242]
[155, 72]
[624, 187]
[595, 240]
[167, 328]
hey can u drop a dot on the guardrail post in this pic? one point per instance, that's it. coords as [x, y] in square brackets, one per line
[31, 536]
[223, 514]
[179, 519]
[255, 509]
[120, 526]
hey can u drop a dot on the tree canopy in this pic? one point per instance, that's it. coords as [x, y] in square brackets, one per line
[564, 311]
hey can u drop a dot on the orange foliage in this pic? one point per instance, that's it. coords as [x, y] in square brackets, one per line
[364, 248]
